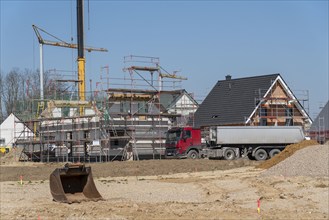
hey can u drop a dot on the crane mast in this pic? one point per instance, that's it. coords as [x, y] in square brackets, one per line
[81, 57]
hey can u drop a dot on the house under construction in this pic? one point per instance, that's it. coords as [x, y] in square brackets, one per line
[119, 123]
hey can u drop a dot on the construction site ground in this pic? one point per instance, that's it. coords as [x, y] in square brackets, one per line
[170, 189]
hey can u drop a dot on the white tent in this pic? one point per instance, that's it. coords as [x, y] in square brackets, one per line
[11, 129]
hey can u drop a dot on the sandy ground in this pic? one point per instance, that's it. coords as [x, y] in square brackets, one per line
[177, 189]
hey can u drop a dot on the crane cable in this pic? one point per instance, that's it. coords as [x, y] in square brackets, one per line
[72, 55]
[51, 35]
[88, 17]
[33, 51]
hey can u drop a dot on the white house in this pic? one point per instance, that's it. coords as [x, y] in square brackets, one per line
[12, 129]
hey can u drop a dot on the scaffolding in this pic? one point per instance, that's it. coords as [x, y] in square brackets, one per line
[321, 131]
[276, 107]
[144, 105]
[117, 124]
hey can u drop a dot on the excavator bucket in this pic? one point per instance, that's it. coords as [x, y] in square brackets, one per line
[73, 184]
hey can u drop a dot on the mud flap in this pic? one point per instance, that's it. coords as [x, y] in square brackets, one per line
[73, 184]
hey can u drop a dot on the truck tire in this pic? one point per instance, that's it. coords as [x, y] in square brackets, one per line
[274, 152]
[192, 154]
[229, 154]
[261, 154]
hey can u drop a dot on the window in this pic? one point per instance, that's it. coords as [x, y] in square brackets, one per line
[289, 117]
[174, 135]
[69, 135]
[65, 111]
[188, 134]
[87, 135]
[263, 122]
[146, 108]
[263, 113]
[289, 122]
[289, 112]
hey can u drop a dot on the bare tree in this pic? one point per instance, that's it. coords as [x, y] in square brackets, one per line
[1, 94]
[32, 85]
[51, 87]
[12, 90]
[20, 91]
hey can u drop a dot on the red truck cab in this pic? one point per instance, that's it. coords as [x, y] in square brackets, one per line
[183, 142]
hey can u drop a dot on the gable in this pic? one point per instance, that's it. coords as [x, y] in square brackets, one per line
[184, 104]
[280, 95]
[8, 121]
[277, 92]
[11, 128]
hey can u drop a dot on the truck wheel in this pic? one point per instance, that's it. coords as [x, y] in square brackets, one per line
[229, 154]
[274, 152]
[193, 154]
[261, 154]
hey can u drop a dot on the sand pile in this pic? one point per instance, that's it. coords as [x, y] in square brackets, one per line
[287, 152]
[12, 156]
[312, 161]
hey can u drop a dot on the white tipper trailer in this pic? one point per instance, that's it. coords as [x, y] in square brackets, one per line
[255, 142]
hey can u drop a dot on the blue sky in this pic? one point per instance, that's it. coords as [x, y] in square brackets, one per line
[205, 40]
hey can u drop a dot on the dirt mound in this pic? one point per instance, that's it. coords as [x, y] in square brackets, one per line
[40, 171]
[312, 161]
[12, 156]
[287, 152]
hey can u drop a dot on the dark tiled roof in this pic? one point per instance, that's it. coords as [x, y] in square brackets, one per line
[232, 101]
[322, 120]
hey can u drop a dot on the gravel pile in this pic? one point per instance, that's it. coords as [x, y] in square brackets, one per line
[287, 152]
[12, 156]
[312, 161]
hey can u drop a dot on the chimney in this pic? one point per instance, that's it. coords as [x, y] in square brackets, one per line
[228, 77]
